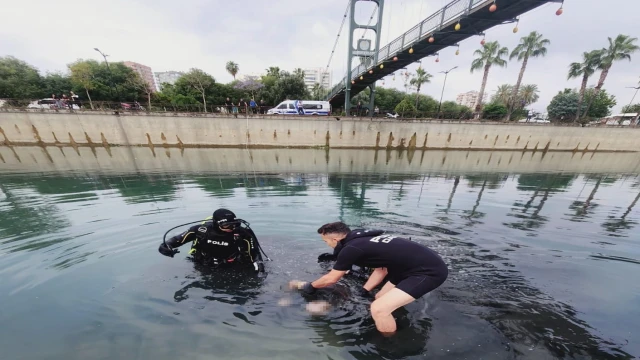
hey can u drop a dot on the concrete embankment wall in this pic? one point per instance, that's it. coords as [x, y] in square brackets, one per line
[135, 160]
[102, 129]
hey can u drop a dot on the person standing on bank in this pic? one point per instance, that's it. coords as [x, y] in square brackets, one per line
[412, 269]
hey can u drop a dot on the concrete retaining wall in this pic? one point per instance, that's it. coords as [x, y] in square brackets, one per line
[134, 160]
[25, 128]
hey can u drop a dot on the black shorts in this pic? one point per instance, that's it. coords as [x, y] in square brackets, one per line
[417, 285]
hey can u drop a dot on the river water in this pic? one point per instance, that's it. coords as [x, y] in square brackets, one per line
[541, 258]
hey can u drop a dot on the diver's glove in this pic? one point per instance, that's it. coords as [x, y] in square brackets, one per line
[365, 293]
[165, 250]
[326, 257]
[258, 266]
[307, 289]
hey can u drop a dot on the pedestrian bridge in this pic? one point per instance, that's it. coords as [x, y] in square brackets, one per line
[428, 37]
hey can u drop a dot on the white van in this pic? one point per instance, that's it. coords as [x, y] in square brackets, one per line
[309, 107]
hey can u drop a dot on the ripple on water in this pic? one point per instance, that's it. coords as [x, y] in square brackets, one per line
[109, 294]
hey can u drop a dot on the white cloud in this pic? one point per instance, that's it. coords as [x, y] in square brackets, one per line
[289, 33]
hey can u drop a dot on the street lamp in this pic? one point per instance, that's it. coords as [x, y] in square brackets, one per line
[110, 73]
[445, 82]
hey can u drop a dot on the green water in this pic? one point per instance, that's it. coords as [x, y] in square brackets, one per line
[541, 263]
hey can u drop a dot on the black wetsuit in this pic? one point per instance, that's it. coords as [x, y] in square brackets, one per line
[412, 267]
[212, 246]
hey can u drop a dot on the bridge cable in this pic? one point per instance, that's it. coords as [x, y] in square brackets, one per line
[344, 18]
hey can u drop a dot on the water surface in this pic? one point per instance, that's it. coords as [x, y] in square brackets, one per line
[541, 260]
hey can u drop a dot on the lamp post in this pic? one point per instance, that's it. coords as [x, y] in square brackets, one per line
[634, 95]
[110, 74]
[445, 82]
[635, 120]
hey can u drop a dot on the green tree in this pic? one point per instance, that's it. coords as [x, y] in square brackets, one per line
[19, 80]
[502, 95]
[273, 71]
[451, 110]
[619, 48]
[528, 94]
[232, 68]
[82, 76]
[494, 111]
[586, 68]
[530, 46]
[317, 91]
[56, 83]
[490, 54]
[138, 82]
[388, 99]
[197, 80]
[601, 103]
[421, 77]
[298, 72]
[564, 105]
[405, 107]
[121, 75]
[289, 86]
[635, 108]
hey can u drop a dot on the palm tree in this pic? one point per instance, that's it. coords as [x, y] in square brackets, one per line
[586, 68]
[490, 54]
[421, 77]
[619, 49]
[232, 68]
[528, 94]
[298, 72]
[532, 45]
[273, 71]
[501, 96]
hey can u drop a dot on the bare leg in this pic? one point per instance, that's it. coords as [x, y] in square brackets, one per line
[385, 289]
[382, 308]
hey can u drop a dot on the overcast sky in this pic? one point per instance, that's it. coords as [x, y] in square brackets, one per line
[170, 35]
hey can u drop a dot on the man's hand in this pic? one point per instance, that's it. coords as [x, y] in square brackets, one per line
[365, 293]
[303, 286]
[166, 251]
[296, 284]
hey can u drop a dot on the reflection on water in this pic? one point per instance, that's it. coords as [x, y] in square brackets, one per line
[539, 265]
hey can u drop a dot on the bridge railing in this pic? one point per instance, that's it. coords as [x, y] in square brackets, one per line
[450, 12]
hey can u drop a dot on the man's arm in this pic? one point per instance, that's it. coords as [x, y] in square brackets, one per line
[177, 241]
[346, 258]
[329, 279]
[375, 278]
[310, 287]
[184, 238]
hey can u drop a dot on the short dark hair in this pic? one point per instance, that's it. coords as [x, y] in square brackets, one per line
[334, 228]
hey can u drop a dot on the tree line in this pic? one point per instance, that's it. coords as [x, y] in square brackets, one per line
[98, 81]
[114, 82]
[569, 104]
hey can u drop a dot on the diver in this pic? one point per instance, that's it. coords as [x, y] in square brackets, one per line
[219, 241]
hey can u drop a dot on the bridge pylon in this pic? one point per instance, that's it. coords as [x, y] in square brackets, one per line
[362, 50]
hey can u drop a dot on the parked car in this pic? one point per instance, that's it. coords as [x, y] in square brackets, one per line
[133, 106]
[49, 103]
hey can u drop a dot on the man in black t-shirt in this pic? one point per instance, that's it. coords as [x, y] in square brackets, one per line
[412, 269]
